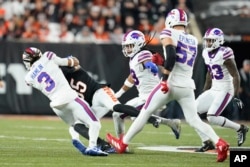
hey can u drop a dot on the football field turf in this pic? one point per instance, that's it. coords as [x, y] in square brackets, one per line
[28, 141]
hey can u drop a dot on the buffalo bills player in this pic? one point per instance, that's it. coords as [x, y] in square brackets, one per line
[86, 87]
[144, 75]
[101, 99]
[180, 50]
[221, 86]
[45, 75]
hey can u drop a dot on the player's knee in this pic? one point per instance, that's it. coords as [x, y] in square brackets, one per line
[116, 115]
[211, 119]
[79, 126]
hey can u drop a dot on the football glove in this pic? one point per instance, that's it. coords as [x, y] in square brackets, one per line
[239, 103]
[157, 59]
[153, 68]
[164, 87]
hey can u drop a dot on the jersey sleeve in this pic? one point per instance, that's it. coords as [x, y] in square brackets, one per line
[166, 33]
[144, 55]
[228, 53]
[49, 55]
[58, 60]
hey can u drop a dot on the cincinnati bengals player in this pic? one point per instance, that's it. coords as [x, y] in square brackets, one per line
[101, 99]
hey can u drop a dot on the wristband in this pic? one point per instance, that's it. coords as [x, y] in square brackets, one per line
[128, 84]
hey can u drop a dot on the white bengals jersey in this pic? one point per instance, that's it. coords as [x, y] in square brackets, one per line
[46, 76]
[221, 78]
[186, 52]
[144, 80]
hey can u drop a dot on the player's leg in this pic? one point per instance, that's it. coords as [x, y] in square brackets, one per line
[185, 97]
[76, 140]
[105, 97]
[66, 115]
[220, 101]
[155, 100]
[119, 123]
[83, 113]
[203, 103]
[174, 124]
[101, 143]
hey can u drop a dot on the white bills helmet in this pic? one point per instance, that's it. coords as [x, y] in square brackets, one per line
[132, 42]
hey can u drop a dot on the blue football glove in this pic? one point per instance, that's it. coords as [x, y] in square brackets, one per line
[153, 68]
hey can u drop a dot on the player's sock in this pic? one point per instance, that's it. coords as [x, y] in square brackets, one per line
[82, 130]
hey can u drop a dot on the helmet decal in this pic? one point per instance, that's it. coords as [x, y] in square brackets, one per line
[182, 15]
[217, 32]
[136, 35]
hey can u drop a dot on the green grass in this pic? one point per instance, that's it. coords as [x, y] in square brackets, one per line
[46, 143]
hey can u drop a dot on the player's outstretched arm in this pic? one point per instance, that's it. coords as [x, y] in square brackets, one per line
[128, 83]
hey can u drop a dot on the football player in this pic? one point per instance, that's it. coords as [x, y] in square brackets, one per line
[180, 51]
[102, 100]
[45, 75]
[221, 86]
[144, 75]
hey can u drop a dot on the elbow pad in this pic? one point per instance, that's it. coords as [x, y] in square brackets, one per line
[170, 57]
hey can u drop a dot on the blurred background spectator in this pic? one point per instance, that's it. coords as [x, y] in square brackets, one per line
[45, 21]
[85, 35]
[245, 89]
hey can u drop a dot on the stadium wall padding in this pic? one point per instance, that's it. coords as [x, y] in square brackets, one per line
[105, 63]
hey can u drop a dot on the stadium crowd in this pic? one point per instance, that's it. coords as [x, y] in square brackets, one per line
[84, 21]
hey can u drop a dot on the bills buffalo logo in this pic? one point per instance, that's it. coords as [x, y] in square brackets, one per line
[217, 32]
[136, 35]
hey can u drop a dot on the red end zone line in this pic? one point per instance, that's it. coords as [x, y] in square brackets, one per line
[188, 149]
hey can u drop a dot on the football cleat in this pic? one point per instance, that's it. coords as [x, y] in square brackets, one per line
[110, 150]
[156, 123]
[95, 151]
[174, 124]
[106, 147]
[120, 147]
[79, 146]
[208, 145]
[222, 148]
[242, 134]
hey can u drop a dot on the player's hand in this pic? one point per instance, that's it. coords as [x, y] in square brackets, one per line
[239, 103]
[164, 87]
[73, 61]
[157, 59]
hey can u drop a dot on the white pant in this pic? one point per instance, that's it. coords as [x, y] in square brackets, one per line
[79, 110]
[103, 101]
[184, 96]
[213, 101]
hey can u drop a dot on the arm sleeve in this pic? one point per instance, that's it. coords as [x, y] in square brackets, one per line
[171, 56]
